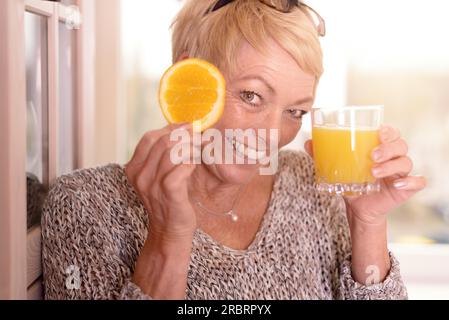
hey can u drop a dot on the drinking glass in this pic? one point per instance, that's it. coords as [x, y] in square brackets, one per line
[343, 141]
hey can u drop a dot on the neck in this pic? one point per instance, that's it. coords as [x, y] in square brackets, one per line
[212, 192]
[248, 201]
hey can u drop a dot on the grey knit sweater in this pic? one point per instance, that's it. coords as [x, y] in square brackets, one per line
[94, 225]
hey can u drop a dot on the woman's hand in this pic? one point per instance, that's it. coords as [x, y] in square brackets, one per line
[393, 168]
[162, 185]
[367, 214]
[162, 267]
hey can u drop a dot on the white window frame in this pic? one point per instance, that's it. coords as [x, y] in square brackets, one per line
[50, 11]
[20, 266]
[12, 161]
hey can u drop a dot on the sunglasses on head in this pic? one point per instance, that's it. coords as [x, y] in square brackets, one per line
[287, 7]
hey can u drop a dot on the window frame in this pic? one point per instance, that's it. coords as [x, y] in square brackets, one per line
[19, 247]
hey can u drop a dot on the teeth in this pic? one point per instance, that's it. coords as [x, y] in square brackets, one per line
[247, 152]
[240, 147]
[252, 154]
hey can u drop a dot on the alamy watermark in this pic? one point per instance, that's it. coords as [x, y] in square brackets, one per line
[373, 273]
[73, 279]
[73, 18]
[237, 146]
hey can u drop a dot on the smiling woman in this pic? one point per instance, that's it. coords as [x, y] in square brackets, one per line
[155, 229]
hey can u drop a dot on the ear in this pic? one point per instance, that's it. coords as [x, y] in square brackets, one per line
[183, 56]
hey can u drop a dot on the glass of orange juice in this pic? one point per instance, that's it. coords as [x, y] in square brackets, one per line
[343, 140]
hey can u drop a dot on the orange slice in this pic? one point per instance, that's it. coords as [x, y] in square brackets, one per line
[192, 90]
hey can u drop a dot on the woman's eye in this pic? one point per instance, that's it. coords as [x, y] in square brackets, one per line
[297, 114]
[251, 98]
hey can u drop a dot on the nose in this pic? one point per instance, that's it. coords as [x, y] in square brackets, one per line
[271, 122]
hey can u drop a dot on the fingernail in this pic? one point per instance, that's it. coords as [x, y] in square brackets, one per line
[400, 184]
[377, 154]
[377, 172]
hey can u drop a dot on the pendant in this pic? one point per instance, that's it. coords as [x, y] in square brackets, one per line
[233, 216]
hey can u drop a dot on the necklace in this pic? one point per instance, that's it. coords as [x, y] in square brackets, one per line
[231, 213]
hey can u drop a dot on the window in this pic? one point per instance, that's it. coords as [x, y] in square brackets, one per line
[44, 80]
[50, 85]
[379, 54]
[395, 53]
[37, 113]
[147, 53]
[67, 98]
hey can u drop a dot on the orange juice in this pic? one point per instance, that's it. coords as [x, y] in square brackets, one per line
[343, 156]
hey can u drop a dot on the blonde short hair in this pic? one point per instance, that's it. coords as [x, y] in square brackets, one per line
[216, 36]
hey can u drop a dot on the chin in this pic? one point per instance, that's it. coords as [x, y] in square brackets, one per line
[236, 173]
[239, 163]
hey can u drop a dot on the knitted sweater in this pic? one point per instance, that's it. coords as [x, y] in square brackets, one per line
[94, 226]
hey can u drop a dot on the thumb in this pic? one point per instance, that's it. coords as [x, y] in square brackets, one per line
[309, 147]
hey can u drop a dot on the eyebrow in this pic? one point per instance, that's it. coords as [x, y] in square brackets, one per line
[303, 100]
[270, 87]
[261, 79]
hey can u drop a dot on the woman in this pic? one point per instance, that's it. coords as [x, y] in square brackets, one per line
[156, 230]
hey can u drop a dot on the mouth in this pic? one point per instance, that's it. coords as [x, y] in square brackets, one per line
[244, 151]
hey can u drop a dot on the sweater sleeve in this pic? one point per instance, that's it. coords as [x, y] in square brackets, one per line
[132, 292]
[346, 288]
[81, 260]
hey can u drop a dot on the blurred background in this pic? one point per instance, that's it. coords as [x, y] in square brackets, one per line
[392, 53]
[383, 52]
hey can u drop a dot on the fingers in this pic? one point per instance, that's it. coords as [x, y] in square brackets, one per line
[162, 158]
[144, 147]
[388, 134]
[173, 182]
[148, 169]
[151, 168]
[411, 183]
[308, 146]
[390, 150]
[391, 156]
[400, 166]
[392, 161]
[161, 151]
[150, 139]
[167, 162]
